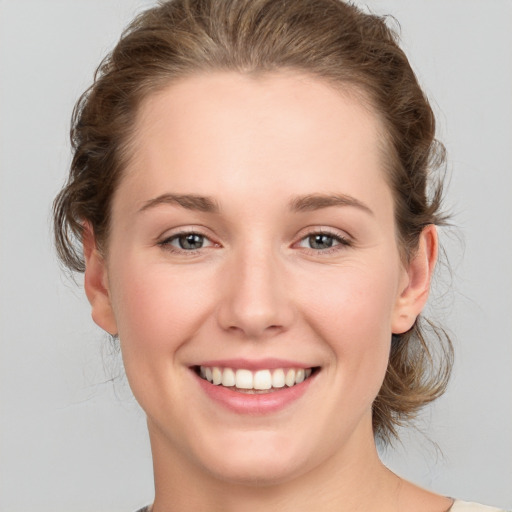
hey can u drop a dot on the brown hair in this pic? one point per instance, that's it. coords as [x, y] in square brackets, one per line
[325, 38]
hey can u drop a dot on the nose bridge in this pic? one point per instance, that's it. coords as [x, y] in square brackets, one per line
[255, 301]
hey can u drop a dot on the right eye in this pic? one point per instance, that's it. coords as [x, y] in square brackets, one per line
[187, 242]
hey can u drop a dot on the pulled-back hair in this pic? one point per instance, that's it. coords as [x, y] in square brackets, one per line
[329, 39]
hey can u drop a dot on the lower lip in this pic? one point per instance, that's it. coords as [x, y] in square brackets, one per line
[257, 403]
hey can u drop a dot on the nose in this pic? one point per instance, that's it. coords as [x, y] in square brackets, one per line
[255, 302]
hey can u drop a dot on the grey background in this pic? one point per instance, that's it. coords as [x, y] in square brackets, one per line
[72, 440]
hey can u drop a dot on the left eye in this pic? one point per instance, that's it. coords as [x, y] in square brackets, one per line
[187, 241]
[321, 241]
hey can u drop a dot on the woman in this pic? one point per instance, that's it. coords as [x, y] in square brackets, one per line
[250, 186]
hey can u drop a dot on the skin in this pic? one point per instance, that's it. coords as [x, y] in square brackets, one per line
[257, 288]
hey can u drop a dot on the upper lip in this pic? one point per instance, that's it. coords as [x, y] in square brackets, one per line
[255, 364]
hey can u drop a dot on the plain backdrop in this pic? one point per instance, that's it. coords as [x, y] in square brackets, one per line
[74, 440]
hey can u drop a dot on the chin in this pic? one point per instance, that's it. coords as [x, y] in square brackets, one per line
[256, 462]
[257, 473]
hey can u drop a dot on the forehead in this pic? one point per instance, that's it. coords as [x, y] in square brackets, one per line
[284, 131]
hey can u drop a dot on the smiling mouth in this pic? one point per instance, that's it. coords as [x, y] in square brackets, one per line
[254, 382]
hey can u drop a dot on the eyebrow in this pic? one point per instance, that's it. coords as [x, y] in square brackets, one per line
[188, 201]
[307, 203]
[312, 202]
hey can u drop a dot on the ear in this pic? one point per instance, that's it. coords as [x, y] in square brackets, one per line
[416, 286]
[96, 283]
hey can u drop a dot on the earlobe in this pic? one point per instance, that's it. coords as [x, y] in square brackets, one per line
[96, 283]
[419, 271]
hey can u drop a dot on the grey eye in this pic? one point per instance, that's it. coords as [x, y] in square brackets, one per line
[321, 241]
[186, 241]
[189, 241]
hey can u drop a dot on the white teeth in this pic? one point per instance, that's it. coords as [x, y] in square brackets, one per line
[278, 378]
[289, 380]
[228, 377]
[216, 375]
[244, 379]
[260, 380]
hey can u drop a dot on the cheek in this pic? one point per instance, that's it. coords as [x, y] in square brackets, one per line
[353, 312]
[353, 300]
[157, 309]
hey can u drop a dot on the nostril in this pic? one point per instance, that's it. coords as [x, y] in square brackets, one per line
[254, 331]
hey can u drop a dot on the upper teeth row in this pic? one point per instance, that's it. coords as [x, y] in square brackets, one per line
[261, 379]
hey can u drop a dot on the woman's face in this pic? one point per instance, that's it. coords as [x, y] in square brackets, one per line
[253, 243]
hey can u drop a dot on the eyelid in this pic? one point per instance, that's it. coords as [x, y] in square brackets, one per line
[197, 229]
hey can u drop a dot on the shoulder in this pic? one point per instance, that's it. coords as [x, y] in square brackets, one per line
[464, 506]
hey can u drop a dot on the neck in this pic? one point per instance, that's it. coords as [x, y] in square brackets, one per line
[351, 480]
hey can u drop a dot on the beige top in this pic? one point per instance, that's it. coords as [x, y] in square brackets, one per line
[464, 506]
[458, 506]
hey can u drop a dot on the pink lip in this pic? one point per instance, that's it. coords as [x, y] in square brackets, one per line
[254, 404]
[256, 364]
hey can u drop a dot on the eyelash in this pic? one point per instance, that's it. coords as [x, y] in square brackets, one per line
[340, 242]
